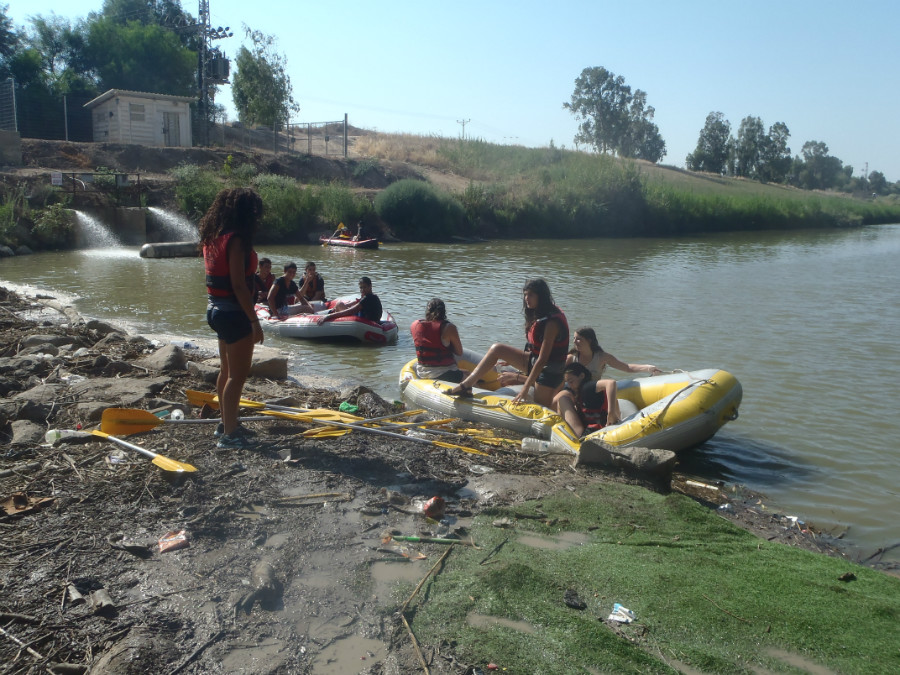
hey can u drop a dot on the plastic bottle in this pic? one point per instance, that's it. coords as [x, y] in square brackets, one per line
[176, 414]
[54, 435]
[535, 445]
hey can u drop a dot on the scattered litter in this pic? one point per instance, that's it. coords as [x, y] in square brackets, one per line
[847, 576]
[572, 599]
[434, 508]
[694, 483]
[621, 614]
[480, 469]
[177, 414]
[172, 541]
[415, 433]
[347, 407]
[18, 503]
[502, 522]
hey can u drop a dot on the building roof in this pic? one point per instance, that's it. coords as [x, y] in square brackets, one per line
[113, 93]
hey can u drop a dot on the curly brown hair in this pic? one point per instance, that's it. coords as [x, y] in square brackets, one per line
[236, 210]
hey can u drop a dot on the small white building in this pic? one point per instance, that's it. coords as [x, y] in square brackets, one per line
[137, 117]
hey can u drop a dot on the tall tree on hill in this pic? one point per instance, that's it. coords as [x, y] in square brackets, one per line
[260, 86]
[612, 118]
[713, 146]
[142, 57]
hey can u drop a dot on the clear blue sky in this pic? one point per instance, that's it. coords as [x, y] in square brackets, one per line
[828, 69]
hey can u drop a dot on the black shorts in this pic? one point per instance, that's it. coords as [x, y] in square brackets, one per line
[230, 326]
[552, 374]
[455, 376]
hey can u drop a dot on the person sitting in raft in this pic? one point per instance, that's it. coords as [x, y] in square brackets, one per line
[586, 404]
[588, 352]
[263, 280]
[362, 232]
[368, 306]
[343, 231]
[437, 344]
[542, 361]
[313, 286]
[283, 292]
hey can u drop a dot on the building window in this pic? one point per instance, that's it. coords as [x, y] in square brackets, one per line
[136, 111]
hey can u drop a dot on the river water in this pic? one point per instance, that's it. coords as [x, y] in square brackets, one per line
[808, 321]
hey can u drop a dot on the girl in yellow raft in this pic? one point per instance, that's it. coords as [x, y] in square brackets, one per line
[544, 357]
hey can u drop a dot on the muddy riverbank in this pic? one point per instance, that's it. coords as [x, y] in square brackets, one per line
[283, 565]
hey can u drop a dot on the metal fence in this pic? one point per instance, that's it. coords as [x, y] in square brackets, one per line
[37, 114]
[305, 138]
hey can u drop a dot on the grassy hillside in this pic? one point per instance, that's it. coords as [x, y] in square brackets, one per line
[517, 191]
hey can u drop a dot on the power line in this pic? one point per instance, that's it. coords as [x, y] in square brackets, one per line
[464, 123]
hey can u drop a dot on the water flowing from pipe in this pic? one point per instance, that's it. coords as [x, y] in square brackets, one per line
[175, 225]
[95, 233]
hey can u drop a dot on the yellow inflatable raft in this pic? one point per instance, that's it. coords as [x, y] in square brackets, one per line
[674, 412]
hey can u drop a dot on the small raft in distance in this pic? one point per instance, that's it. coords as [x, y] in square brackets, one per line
[349, 243]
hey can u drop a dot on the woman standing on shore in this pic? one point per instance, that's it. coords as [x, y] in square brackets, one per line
[542, 361]
[226, 238]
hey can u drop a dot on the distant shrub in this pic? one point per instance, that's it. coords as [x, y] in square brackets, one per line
[341, 205]
[289, 210]
[417, 211]
[195, 189]
[53, 226]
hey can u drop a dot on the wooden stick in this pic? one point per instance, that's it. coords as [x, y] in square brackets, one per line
[21, 644]
[415, 644]
[424, 579]
[724, 610]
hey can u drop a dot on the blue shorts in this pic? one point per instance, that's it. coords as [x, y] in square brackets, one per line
[230, 326]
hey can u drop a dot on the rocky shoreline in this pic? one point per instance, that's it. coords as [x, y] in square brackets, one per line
[278, 563]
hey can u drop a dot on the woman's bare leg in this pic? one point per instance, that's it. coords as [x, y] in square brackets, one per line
[517, 358]
[566, 406]
[239, 357]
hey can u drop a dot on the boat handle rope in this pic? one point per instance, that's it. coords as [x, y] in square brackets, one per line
[654, 419]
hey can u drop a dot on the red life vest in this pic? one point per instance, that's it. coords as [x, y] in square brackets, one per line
[430, 351]
[594, 406]
[218, 276]
[560, 346]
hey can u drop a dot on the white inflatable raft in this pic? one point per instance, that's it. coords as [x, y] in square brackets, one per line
[306, 326]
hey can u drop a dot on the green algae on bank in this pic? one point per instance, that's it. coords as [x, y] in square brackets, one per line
[707, 595]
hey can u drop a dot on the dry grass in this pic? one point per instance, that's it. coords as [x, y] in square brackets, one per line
[403, 148]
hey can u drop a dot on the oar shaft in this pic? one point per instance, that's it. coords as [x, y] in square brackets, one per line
[125, 444]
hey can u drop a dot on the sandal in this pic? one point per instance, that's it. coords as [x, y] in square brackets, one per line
[461, 391]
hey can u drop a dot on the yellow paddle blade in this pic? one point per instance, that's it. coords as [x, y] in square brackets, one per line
[127, 421]
[165, 463]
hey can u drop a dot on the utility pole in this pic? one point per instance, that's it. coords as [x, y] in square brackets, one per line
[464, 123]
[206, 79]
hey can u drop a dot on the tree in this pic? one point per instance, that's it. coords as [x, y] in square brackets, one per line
[612, 119]
[713, 146]
[878, 183]
[775, 157]
[260, 86]
[140, 57]
[748, 147]
[819, 170]
[9, 39]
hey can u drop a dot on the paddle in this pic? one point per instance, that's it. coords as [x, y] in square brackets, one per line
[373, 430]
[162, 462]
[132, 421]
[199, 398]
